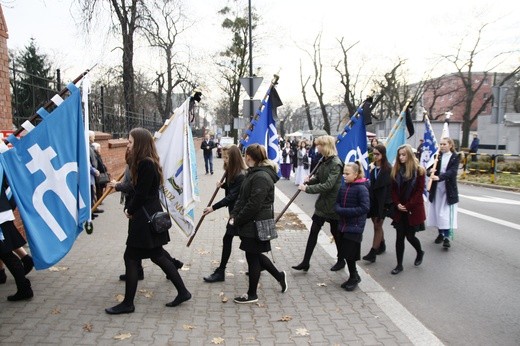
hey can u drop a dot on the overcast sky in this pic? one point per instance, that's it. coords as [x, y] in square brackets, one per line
[417, 31]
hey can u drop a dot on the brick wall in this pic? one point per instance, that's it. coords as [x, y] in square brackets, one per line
[6, 117]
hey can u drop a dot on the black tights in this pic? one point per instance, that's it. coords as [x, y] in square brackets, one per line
[227, 242]
[352, 269]
[317, 224]
[257, 262]
[133, 263]
[399, 243]
[15, 267]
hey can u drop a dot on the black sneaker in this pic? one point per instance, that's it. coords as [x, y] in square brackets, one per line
[245, 299]
[439, 239]
[446, 243]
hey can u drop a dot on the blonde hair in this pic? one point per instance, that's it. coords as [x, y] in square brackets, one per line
[450, 142]
[410, 166]
[328, 145]
[356, 168]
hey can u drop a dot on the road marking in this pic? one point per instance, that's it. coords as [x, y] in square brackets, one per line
[490, 199]
[490, 218]
[416, 332]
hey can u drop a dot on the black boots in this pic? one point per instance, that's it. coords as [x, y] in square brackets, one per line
[351, 283]
[371, 256]
[340, 264]
[24, 292]
[218, 275]
[419, 258]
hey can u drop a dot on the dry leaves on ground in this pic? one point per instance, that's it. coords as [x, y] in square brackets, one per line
[58, 269]
[202, 252]
[56, 311]
[217, 341]
[146, 293]
[321, 284]
[120, 298]
[285, 318]
[123, 336]
[188, 327]
[290, 221]
[88, 327]
[302, 331]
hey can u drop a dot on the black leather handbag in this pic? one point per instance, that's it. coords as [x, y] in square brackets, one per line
[160, 221]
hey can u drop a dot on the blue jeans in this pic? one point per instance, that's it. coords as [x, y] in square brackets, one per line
[208, 162]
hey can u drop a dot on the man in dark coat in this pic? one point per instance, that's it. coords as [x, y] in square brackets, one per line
[207, 148]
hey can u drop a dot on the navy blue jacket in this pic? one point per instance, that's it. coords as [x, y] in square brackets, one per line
[450, 178]
[352, 205]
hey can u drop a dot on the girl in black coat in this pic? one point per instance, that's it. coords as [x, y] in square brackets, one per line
[255, 203]
[234, 167]
[380, 199]
[141, 242]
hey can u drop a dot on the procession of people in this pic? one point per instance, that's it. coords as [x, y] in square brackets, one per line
[344, 201]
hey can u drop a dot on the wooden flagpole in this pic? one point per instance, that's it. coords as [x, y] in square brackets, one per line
[203, 216]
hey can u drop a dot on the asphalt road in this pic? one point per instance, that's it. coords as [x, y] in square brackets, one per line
[466, 295]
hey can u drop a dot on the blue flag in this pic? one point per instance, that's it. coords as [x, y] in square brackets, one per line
[352, 144]
[48, 172]
[264, 127]
[430, 146]
[396, 138]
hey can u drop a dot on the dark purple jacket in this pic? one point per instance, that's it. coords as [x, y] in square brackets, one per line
[352, 206]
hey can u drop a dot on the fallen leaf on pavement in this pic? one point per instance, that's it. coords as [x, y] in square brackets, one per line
[185, 268]
[322, 284]
[202, 252]
[285, 318]
[217, 341]
[146, 293]
[120, 297]
[88, 327]
[123, 336]
[225, 299]
[187, 327]
[302, 331]
[56, 311]
[58, 269]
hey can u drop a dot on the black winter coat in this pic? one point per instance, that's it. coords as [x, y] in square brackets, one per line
[232, 190]
[380, 193]
[255, 201]
[450, 177]
[146, 194]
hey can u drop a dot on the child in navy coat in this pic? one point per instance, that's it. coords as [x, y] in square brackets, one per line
[352, 206]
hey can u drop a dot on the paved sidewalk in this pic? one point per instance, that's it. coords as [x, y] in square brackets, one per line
[68, 307]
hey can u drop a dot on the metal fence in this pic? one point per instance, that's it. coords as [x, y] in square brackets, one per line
[102, 117]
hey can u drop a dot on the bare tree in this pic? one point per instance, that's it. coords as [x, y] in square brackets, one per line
[347, 80]
[305, 101]
[317, 84]
[164, 23]
[464, 63]
[129, 14]
[440, 88]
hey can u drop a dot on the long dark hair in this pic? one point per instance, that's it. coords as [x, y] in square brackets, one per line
[385, 165]
[235, 164]
[143, 148]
